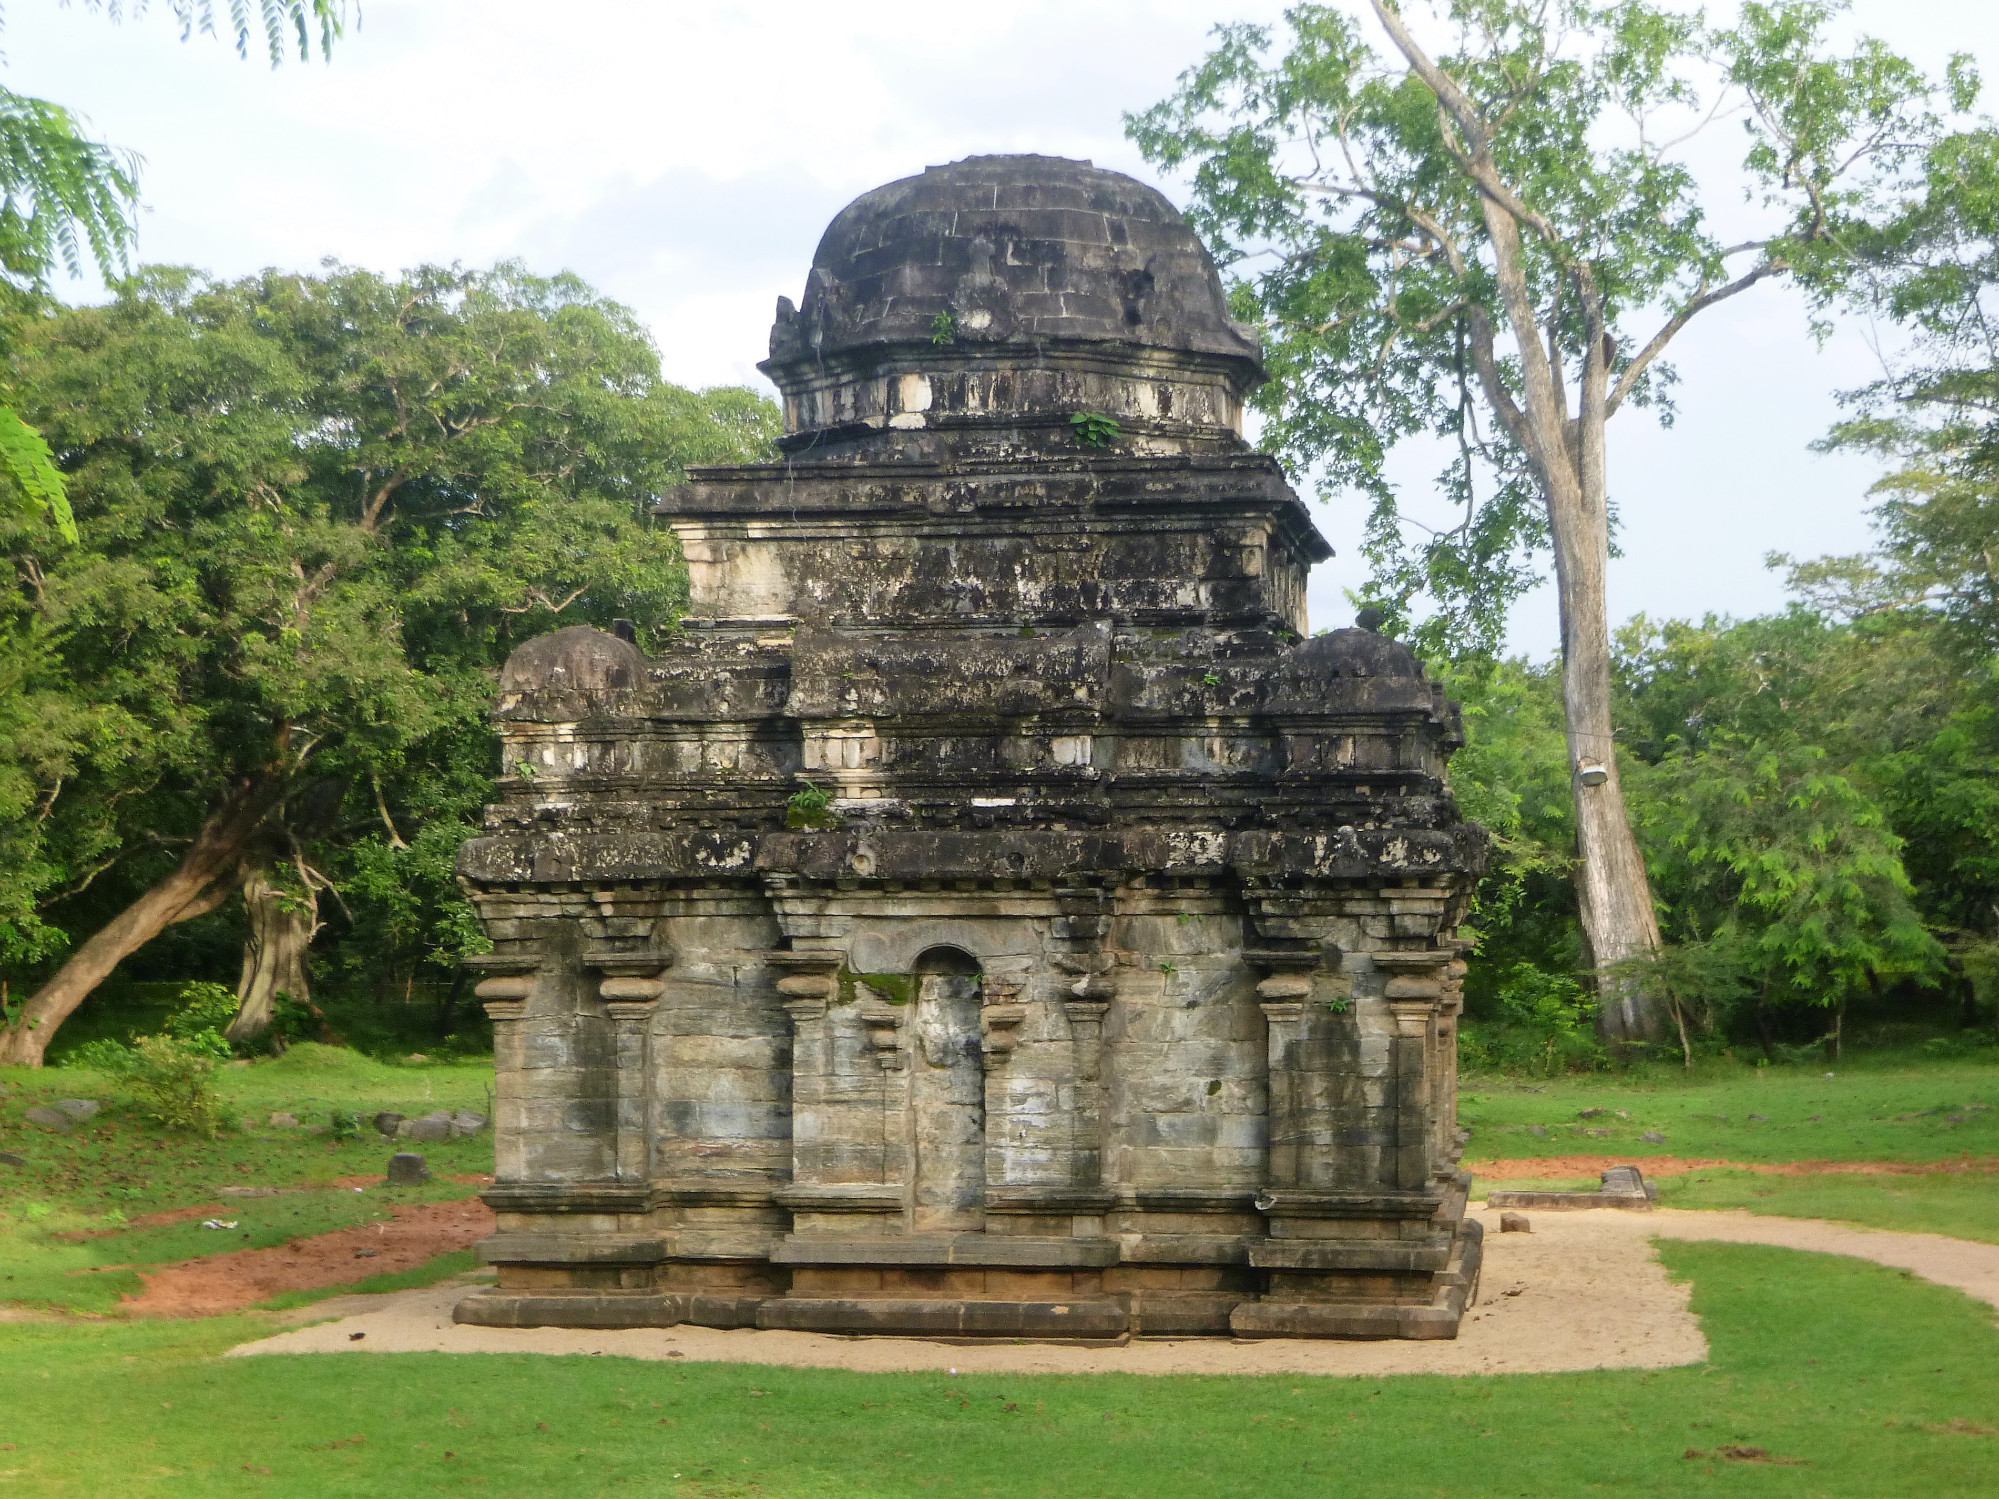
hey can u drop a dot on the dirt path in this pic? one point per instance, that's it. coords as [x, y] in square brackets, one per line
[1583, 1291]
[215, 1283]
[1551, 1166]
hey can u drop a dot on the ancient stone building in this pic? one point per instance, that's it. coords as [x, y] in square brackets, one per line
[992, 912]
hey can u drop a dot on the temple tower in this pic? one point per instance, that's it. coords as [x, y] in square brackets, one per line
[990, 913]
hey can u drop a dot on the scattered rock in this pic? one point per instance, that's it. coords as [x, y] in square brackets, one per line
[465, 1122]
[366, 1254]
[1515, 1223]
[8, 1158]
[1537, 1129]
[1976, 1108]
[386, 1122]
[220, 1222]
[79, 1108]
[1953, 1119]
[406, 1169]
[1653, 1137]
[1624, 1113]
[284, 1120]
[1814, 1118]
[49, 1118]
[1599, 1133]
[1918, 1114]
[1591, 1113]
[1760, 1118]
[435, 1125]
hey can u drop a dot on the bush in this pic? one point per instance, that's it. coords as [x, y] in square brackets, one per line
[174, 1083]
[1546, 1025]
[204, 1013]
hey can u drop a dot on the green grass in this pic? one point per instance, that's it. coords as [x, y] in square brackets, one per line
[1964, 1205]
[118, 1166]
[1854, 1372]
[1854, 1115]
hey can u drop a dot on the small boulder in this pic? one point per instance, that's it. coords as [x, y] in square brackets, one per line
[49, 1118]
[1591, 1113]
[386, 1122]
[8, 1158]
[406, 1169]
[1538, 1130]
[284, 1120]
[1653, 1137]
[1601, 1134]
[465, 1122]
[1759, 1118]
[79, 1108]
[433, 1126]
[1515, 1223]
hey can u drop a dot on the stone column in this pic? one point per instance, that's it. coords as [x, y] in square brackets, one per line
[1282, 995]
[506, 982]
[1086, 1031]
[631, 988]
[1414, 991]
[807, 986]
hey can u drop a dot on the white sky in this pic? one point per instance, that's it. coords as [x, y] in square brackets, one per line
[684, 157]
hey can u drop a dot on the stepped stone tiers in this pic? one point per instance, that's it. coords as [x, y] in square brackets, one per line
[990, 914]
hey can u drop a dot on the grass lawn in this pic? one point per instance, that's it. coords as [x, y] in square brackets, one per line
[67, 1233]
[1861, 1380]
[1880, 1107]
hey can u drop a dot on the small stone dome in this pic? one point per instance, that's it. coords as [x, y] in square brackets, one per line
[1351, 653]
[577, 659]
[1009, 249]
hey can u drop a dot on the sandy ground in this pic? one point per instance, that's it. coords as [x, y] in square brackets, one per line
[1582, 1291]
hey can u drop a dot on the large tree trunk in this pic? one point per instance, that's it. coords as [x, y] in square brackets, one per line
[206, 876]
[1566, 453]
[1613, 894]
[274, 958]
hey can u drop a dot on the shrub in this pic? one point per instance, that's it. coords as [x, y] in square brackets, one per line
[205, 1012]
[174, 1082]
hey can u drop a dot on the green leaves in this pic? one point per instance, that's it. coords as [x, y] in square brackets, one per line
[313, 514]
[37, 483]
[61, 194]
[1368, 216]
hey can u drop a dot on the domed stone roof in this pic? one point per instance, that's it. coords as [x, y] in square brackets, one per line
[1010, 250]
[576, 659]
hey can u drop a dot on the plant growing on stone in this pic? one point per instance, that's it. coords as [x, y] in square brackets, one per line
[944, 327]
[1093, 429]
[808, 807]
[1489, 239]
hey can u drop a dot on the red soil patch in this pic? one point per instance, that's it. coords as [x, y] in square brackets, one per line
[217, 1283]
[1673, 1165]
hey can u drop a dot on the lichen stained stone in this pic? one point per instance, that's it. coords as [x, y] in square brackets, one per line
[993, 912]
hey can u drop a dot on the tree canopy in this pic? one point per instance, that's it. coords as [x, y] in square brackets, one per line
[314, 513]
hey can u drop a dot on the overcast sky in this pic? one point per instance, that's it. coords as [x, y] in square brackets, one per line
[684, 158]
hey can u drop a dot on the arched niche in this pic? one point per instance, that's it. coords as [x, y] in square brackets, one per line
[947, 1092]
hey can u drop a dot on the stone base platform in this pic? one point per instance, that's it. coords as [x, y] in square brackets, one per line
[979, 1286]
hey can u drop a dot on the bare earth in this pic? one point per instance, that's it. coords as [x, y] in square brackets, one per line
[1583, 1291]
[419, 1231]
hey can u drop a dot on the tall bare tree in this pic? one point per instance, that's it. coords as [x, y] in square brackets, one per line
[1489, 235]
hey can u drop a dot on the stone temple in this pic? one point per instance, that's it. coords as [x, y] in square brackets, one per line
[992, 912]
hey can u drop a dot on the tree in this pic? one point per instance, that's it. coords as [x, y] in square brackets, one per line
[314, 515]
[62, 194]
[1458, 246]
